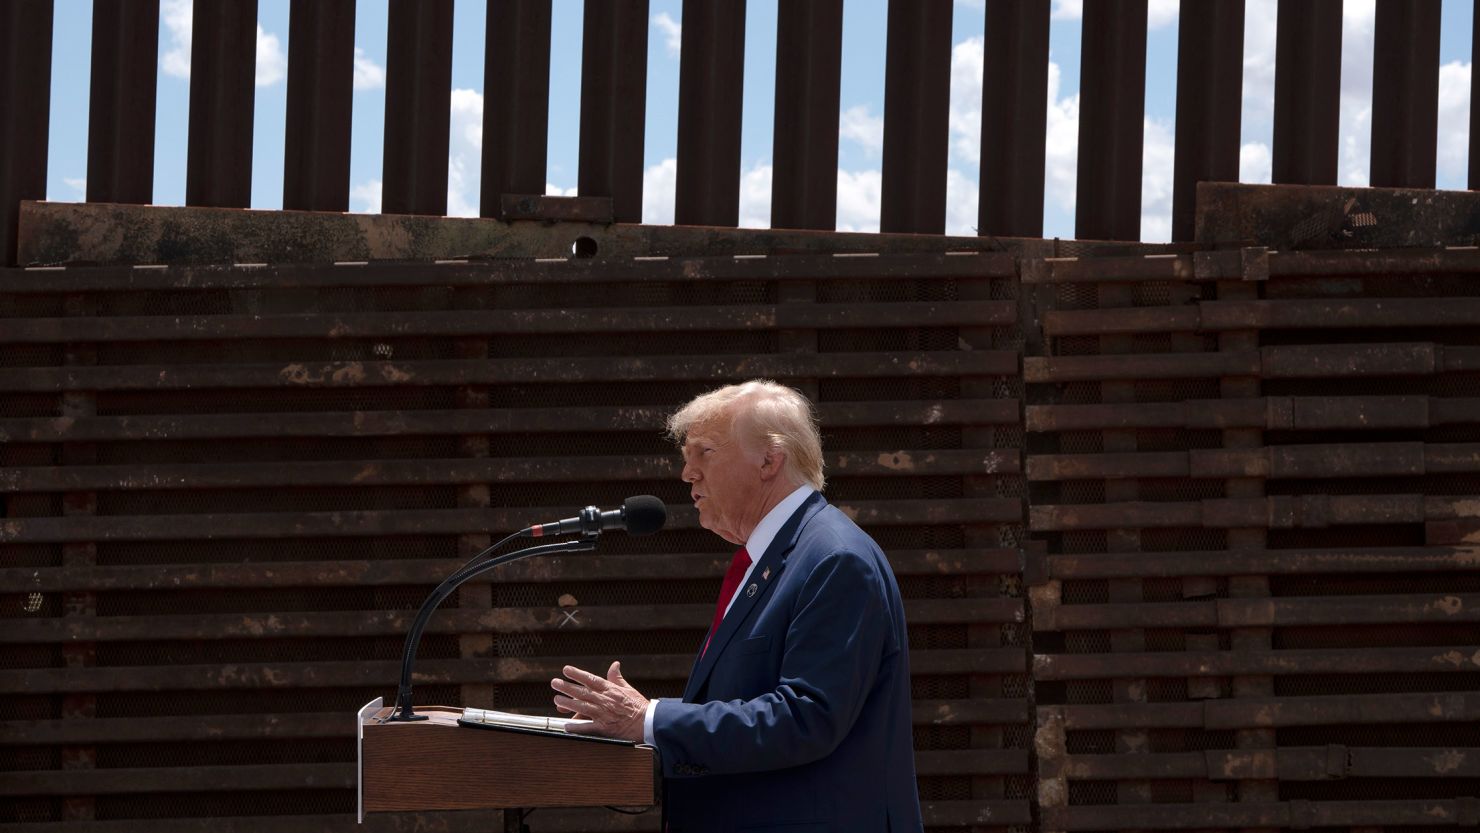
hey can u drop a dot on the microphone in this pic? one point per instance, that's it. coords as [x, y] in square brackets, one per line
[639, 515]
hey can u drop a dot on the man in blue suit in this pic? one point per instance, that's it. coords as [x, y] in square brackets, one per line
[796, 716]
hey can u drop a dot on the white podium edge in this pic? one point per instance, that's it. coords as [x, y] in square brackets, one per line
[366, 711]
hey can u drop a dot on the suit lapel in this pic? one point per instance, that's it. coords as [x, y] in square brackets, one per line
[763, 577]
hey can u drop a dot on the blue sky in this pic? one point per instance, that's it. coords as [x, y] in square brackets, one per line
[861, 122]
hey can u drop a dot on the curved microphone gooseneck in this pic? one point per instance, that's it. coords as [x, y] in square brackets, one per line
[641, 515]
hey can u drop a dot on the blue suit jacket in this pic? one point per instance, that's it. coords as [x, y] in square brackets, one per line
[797, 718]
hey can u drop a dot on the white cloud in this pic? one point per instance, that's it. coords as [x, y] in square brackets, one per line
[1254, 163]
[1454, 124]
[554, 190]
[1157, 157]
[672, 32]
[1061, 156]
[755, 196]
[368, 74]
[659, 185]
[859, 125]
[1259, 42]
[465, 154]
[860, 200]
[272, 64]
[1354, 162]
[365, 197]
[966, 101]
[1159, 13]
[961, 203]
[177, 16]
[76, 183]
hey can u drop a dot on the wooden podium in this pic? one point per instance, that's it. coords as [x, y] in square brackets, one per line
[437, 764]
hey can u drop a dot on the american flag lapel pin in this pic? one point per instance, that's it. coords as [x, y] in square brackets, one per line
[766, 574]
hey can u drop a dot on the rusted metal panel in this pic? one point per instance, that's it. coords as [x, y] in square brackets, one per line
[506, 371]
[223, 67]
[316, 150]
[809, 64]
[1169, 366]
[1290, 815]
[418, 110]
[1456, 659]
[1405, 94]
[518, 420]
[516, 101]
[1307, 87]
[654, 667]
[500, 470]
[711, 77]
[57, 233]
[1210, 66]
[26, 26]
[917, 69]
[1291, 218]
[1014, 118]
[1112, 105]
[614, 45]
[1245, 562]
[1246, 613]
[575, 321]
[120, 117]
[540, 207]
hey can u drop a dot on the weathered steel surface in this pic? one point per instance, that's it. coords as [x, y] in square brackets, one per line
[565, 209]
[359, 573]
[1112, 105]
[321, 71]
[809, 64]
[418, 112]
[335, 503]
[614, 45]
[121, 96]
[1307, 92]
[516, 101]
[1210, 66]
[711, 77]
[1405, 93]
[55, 233]
[223, 68]
[1014, 118]
[917, 70]
[26, 28]
[1288, 218]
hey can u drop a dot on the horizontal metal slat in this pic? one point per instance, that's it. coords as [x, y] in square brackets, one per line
[1275, 413]
[1409, 459]
[1228, 663]
[985, 511]
[482, 323]
[348, 573]
[179, 779]
[1272, 712]
[1218, 316]
[906, 462]
[1291, 763]
[464, 821]
[361, 623]
[1278, 512]
[1291, 814]
[493, 420]
[674, 667]
[509, 371]
[216, 728]
[499, 272]
[1263, 562]
[1254, 613]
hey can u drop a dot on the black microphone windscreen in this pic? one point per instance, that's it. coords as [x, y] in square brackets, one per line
[643, 514]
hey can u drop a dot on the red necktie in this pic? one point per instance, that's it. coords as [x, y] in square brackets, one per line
[738, 565]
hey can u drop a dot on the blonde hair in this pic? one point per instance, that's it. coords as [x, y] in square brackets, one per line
[760, 413]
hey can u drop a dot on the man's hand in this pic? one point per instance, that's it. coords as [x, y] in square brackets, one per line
[614, 707]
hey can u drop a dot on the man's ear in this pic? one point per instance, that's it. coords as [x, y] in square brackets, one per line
[773, 463]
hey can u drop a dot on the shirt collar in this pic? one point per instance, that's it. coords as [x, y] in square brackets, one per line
[765, 531]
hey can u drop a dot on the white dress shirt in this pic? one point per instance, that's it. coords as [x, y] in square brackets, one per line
[755, 546]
